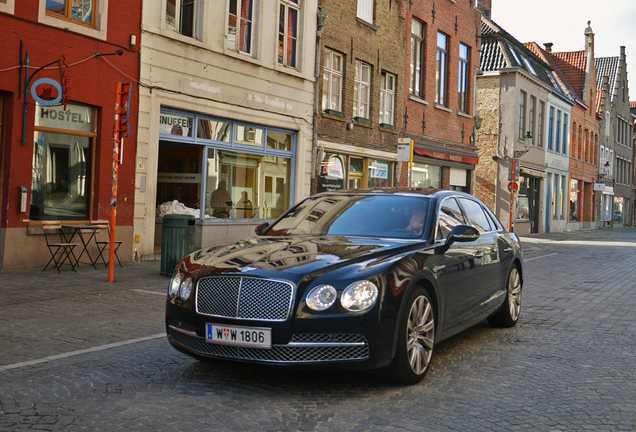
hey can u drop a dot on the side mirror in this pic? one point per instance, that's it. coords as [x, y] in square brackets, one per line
[459, 233]
[260, 229]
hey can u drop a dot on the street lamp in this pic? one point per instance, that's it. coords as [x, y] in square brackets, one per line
[604, 172]
[519, 153]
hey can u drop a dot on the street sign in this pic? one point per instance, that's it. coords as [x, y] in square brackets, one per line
[513, 171]
[513, 187]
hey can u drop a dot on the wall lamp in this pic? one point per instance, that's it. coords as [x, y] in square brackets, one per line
[118, 52]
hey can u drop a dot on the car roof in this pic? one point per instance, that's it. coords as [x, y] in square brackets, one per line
[428, 192]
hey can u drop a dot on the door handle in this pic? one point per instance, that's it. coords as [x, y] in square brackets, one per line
[508, 249]
[479, 255]
[438, 268]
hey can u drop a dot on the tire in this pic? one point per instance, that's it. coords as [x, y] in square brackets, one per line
[416, 339]
[508, 314]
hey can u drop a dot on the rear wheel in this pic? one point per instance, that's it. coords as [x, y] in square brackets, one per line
[508, 314]
[416, 339]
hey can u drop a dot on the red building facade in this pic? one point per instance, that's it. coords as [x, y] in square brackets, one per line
[64, 58]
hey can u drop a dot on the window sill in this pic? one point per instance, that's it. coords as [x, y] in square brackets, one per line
[362, 120]
[387, 126]
[417, 99]
[366, 23]
[443, 108]
[463, 114]
[334, 113]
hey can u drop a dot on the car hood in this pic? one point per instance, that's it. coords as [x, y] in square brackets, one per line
[293, 258]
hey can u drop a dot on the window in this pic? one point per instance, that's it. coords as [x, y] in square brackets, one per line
[239, 32]
[62, 163]
[425, 175]
[387, 98]
[564, 197]
[418, 33]
[82, 11]
[566, 124]
[441, 71]
[514, 53]
[551, 129]
[529, 66]
[462, 85]
[339, 171]
[365, 10]
[574, 200]
[450, 215]
[557, 147]
[555, 197]
[361, 90]
[476, 215]
[180, 15]
[288, 32]
[541, 123]
[7, 6]
[531, 115]
[332, 81]
[523, 100]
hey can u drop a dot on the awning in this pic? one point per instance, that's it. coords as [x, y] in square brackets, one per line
[437, 151]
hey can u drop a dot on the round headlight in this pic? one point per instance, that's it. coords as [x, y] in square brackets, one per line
[186, 288]
[321, 297]
[359, 296]
[175, 283]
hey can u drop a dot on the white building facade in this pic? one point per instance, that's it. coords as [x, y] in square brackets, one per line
[225, 124]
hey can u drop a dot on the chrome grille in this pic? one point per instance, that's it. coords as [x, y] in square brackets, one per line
[281, 353]
[245, 298]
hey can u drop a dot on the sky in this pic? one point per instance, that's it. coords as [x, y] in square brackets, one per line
[563, 23]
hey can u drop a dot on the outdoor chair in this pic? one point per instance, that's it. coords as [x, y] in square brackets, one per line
[102, 240]
[61, 251]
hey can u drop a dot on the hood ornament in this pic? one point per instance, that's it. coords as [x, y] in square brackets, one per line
[246, 269]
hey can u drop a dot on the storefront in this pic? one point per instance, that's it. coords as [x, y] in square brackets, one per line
[219, 169]
[345, 171]
[443, 167]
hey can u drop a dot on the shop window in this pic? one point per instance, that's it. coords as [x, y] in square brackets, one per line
[176, 125]
[380, 174]
[522, 203]
[181, 16]
[350, 172]
[426, 176]
[332, 81]
[288, 32]
[215, 130]
[179, 179]
[239, 34]
[574, 200]
[62, 165]
[248, 135]
[356, 172]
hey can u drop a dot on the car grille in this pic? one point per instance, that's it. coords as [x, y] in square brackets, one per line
[245, 298]
[354, 347]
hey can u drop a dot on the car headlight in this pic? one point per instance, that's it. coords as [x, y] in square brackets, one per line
[359, 296]
[321, 297]
[186, 288]
[175, 284]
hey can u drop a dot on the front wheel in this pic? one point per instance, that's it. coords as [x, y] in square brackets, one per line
[508, 315]
[416, 338]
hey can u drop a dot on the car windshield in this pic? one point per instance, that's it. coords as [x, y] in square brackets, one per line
[381, 216]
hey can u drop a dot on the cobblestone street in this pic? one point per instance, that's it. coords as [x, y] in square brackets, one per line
[80, 354]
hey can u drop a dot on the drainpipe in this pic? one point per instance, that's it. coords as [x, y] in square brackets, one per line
[321, 17]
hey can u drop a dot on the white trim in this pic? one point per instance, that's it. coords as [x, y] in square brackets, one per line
[7, 6]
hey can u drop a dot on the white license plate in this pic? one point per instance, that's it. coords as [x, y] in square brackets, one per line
[258, 337]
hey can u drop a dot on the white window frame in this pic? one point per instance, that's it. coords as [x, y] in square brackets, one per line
[365, 10]
[8, 6]
[523, 106]
[239, 27]
[418, 41]
[98, 32]
[196, 13]
[329, 91]
[441, 70]
[285, 5]
[463, 85]
[361, 103]
[387, 98]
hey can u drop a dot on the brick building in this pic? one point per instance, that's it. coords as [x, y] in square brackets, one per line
[361, 104]
[56, 158]
[439, 113]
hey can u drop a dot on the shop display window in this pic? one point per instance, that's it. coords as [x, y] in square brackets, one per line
[352, 172]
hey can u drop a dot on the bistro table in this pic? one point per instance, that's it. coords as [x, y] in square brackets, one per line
[86, 234]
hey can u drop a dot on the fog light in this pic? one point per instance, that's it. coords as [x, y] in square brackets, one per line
[359, 296]
[321, 297]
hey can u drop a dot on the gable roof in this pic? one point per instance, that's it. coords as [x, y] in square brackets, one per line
[572, 64]
[606, 66]
[560, 81]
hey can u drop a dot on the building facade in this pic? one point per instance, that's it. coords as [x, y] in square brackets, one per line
[360, 102]
[439, 113]
[226, 107]
[60, 65]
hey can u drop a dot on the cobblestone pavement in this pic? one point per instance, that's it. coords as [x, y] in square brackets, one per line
[80, 354]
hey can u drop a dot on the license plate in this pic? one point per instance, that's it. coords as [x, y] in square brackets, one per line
[256, 337]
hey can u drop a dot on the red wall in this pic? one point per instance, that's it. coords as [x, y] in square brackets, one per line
[92, 82]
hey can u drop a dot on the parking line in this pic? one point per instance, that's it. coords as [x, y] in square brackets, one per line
[542, 256]
[79, 352]
[151, 292]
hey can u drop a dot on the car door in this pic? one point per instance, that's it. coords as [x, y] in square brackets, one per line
[492, 276]
[461, 266]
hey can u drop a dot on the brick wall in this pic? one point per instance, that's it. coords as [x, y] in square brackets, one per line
[487, 139]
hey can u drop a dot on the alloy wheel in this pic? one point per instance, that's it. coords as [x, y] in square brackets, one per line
[514, 294]
[420, 335]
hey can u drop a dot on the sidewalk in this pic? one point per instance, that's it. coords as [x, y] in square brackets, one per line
[45, 314]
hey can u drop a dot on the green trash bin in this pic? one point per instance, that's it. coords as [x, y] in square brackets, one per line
[177, 240]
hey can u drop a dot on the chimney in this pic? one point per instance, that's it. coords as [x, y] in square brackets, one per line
[548, 46]
[484, 6]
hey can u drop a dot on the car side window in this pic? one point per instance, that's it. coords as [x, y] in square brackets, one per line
[476, 215]
[450, 215]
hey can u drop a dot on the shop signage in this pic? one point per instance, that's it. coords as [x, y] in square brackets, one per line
[174, 124]
[599, 186]
[379, 170]
[446, 156]
[74, 117]
[178, 178]
[334, 169]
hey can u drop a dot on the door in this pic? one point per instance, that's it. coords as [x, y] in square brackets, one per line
[533, 195]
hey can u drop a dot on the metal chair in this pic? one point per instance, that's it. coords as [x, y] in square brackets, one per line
[61, 251]
[104, 244]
